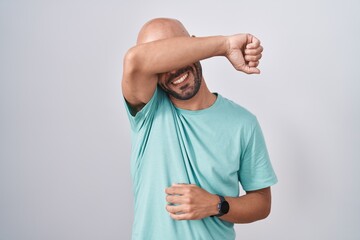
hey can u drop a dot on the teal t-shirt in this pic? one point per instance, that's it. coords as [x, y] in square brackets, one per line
[214, 148]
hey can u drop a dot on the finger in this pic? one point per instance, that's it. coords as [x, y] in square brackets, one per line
[249, 70]
[183, 185]
[180, 216]
[253, 58]
[174, 209]
[253, 42]
[175, 190]
[253, 64]
[254, 70]
[183, 188]
[174, 199]
[254, 51]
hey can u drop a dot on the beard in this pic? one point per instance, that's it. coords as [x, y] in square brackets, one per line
[187, 91]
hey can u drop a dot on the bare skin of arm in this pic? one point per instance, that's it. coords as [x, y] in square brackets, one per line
[196, 203]
[144, 62]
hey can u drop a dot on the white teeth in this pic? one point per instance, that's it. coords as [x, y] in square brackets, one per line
[180, 80]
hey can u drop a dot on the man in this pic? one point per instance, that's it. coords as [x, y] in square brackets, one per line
[191, 147]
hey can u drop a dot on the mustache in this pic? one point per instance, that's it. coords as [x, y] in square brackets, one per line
[178, 73]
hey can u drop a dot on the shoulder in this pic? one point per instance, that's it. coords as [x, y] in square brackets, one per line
[236, 112]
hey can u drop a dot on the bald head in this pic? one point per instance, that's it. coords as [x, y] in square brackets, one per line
[161, 28]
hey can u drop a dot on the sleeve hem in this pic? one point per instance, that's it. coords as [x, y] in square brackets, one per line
[254, 187]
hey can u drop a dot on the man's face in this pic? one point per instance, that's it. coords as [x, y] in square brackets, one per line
[182, 84]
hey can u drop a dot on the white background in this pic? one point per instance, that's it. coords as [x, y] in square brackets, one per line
[65, 137]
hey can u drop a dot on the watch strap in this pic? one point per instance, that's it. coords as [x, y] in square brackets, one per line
[222, 200]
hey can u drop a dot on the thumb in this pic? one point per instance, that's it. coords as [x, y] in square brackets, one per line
[249, 70]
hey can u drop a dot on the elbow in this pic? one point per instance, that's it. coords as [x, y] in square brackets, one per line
[262, 213]
[131, 67]
[130, 60]
[265, 211]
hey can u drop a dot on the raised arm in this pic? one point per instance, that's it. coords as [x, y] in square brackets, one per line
[145, 61]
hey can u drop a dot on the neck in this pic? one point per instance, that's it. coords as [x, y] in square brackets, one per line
[203, 99]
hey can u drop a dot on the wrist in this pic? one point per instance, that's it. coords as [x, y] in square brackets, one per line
[213, 205]
[224, 46]
[222, 207]
[218, 45]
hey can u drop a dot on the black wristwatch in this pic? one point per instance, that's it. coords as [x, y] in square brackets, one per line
[223, 207]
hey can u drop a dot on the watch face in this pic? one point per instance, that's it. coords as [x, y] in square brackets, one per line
[225, 207]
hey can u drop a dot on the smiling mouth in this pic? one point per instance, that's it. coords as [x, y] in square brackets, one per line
[181, 79]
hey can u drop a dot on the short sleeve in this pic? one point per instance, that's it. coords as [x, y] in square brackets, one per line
[256, 171]
[145, 115]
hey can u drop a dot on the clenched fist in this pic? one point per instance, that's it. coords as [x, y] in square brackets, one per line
[244, 52]
[190, 202]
